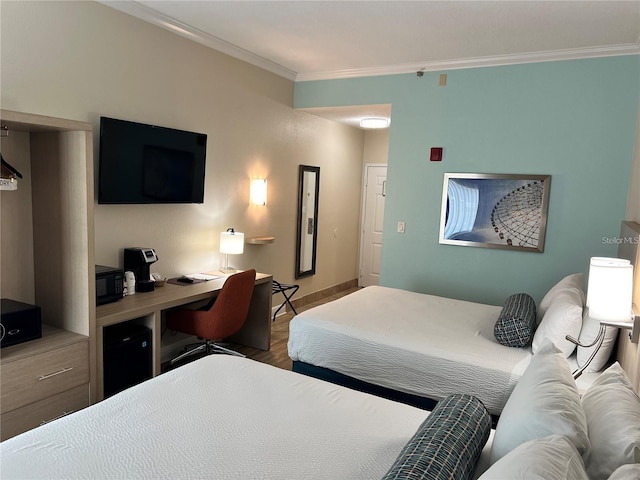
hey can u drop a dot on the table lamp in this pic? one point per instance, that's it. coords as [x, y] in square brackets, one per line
[231, 243]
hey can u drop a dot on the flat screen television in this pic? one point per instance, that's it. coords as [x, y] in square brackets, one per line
[142, 163]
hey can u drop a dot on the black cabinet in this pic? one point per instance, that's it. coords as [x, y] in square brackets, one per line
[127, 356]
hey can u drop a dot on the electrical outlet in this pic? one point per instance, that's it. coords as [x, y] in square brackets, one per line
[400, 227]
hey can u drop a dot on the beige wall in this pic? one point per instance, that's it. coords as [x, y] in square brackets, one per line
[81, 60]
[629, 353]
[17, 280]
[376, 146]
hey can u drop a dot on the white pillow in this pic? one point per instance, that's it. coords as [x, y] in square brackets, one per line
[563, 317]
[552, 457]
[588, 334]
[575, 280]
[612, 409]
[626, 472]
[544, 402]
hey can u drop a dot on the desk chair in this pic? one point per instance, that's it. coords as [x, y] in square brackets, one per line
[221, 318]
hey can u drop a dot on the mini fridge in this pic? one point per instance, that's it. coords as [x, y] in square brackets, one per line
[127, 356]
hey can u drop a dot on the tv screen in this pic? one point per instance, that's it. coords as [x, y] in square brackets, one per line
[142, 163]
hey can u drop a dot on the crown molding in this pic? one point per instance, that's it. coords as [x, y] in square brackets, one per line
[154, 17]
[500, 60]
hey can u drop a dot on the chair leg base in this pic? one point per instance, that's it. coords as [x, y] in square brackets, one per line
[214, 347]
[200, 348]
[207, 348]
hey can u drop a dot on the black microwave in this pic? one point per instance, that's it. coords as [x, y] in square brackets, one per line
[109, 284]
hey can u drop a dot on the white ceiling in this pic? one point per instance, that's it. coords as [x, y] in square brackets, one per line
[312, 40]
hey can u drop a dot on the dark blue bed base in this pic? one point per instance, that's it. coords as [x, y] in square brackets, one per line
[355, 384]
[362, 386]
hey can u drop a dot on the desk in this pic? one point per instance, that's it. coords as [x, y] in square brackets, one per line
[148, 307]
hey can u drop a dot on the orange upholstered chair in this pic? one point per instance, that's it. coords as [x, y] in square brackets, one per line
[221, 318]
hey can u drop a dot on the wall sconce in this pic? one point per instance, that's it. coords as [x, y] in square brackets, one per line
[609, 300]
[258, 191]
[231, 243]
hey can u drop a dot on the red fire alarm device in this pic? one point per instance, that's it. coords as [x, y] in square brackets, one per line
[436, 154]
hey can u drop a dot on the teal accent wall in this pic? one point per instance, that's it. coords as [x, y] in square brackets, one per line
[574, 120]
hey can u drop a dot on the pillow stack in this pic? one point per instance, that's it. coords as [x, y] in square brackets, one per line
[547, 431]
[560, 314]
[612, 409]
[544, 402]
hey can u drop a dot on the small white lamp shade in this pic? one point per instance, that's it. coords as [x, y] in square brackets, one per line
[609, 294]
[258, 191]
[231, 242]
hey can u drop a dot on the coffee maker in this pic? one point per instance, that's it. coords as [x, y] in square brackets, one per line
[138, 260]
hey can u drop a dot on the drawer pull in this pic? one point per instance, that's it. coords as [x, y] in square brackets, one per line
[63, 414]
[49, 375]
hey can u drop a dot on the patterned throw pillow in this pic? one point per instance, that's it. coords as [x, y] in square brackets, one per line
[448, 443]
[517, 321]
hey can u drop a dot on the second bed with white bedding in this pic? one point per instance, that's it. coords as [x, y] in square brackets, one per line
[219, 417]
[414, 343]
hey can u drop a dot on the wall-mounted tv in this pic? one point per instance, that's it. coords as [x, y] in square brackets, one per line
[142, 163]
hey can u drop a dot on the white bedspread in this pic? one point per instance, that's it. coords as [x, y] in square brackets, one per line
[220, 417]
[411, 342]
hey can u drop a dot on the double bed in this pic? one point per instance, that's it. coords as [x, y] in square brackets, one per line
[410, 347]
[421, 345]
[227, 417]
[219, 417]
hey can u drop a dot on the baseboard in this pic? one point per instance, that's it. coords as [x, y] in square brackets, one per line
[327, 292]
[312, 297]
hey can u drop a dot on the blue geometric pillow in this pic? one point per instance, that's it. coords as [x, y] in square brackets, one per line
[517, 321]
[448, 443]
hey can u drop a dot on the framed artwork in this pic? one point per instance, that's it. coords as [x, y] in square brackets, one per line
[495, 210]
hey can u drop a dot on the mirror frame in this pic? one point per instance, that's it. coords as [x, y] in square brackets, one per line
[304, 169]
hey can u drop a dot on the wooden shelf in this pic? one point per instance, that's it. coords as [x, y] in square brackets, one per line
[260, 240]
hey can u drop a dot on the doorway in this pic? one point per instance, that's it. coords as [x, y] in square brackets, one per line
[374, 192]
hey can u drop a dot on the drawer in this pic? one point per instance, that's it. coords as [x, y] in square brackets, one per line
[40, 376]
[38, 413]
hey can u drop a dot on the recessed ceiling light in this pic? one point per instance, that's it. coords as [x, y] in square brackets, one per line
[374, 122]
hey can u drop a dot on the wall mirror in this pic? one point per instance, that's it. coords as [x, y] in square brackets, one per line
[308, 193]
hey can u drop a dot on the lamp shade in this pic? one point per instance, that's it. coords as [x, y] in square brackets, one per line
[609, 293]
[231, 242]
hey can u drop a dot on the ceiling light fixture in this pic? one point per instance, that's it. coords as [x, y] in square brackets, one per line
[374, 122]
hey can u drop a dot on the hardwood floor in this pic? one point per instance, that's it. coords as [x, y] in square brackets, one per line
[277, 355]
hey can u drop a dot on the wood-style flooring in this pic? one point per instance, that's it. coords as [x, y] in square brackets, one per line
[277, 355]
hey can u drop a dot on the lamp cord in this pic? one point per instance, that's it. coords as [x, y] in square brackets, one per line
[598, 340]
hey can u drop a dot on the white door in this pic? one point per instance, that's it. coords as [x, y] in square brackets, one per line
[375, 179]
